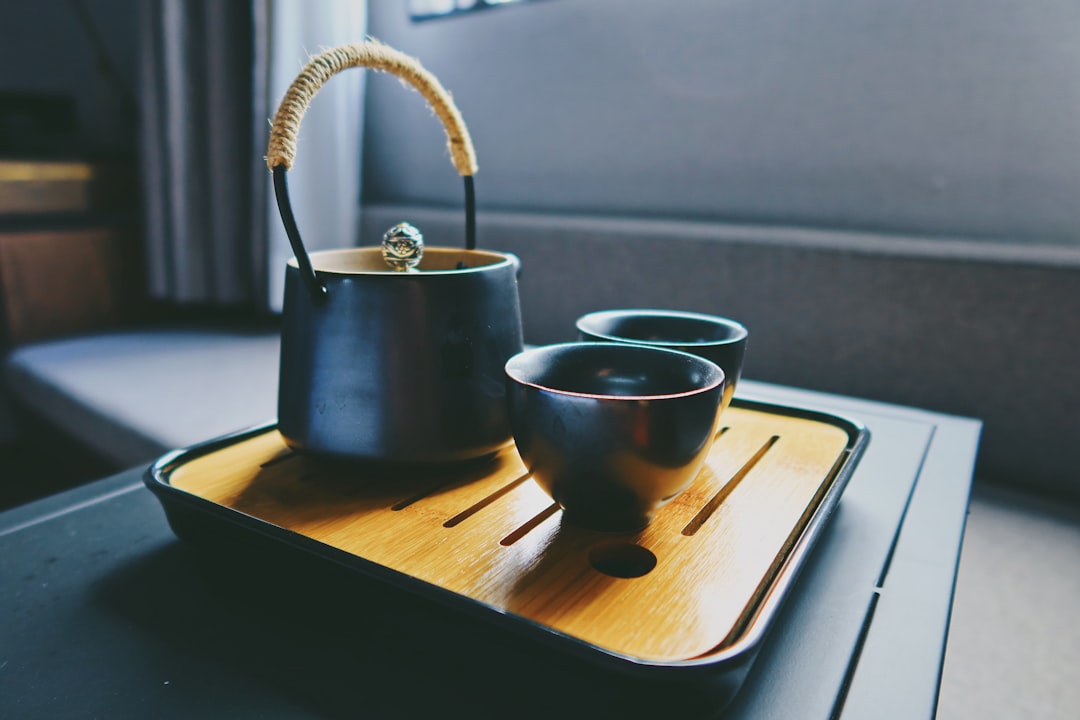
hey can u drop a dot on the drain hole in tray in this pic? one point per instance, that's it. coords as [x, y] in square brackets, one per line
[622, 560]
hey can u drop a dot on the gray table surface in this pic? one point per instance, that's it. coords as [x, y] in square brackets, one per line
[106, 614]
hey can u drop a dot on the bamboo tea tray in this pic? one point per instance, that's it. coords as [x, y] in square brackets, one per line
[697, 588]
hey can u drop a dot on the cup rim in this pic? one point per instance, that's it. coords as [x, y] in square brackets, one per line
[740, 331]
[513, 371]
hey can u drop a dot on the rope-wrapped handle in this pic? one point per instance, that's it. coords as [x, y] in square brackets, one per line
[373, 55]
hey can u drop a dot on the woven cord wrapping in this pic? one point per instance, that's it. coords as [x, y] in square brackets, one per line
[375, 56]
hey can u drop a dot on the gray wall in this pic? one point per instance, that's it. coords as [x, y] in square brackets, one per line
[924, 117]
[829, 172]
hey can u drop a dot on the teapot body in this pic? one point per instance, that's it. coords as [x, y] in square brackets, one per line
[399, 367]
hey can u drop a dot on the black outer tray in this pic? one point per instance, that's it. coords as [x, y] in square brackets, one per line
[715, 678]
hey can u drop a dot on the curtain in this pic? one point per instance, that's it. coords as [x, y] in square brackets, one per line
[324, 181]
[212, 72]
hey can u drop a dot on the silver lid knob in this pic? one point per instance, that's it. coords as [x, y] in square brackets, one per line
[402, 247]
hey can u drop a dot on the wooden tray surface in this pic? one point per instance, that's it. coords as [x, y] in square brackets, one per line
[685, 587]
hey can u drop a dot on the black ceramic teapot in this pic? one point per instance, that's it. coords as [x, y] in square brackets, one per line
[392, 353]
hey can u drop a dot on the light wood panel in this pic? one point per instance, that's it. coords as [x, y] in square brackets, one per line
[54, 186]
[490, 534]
